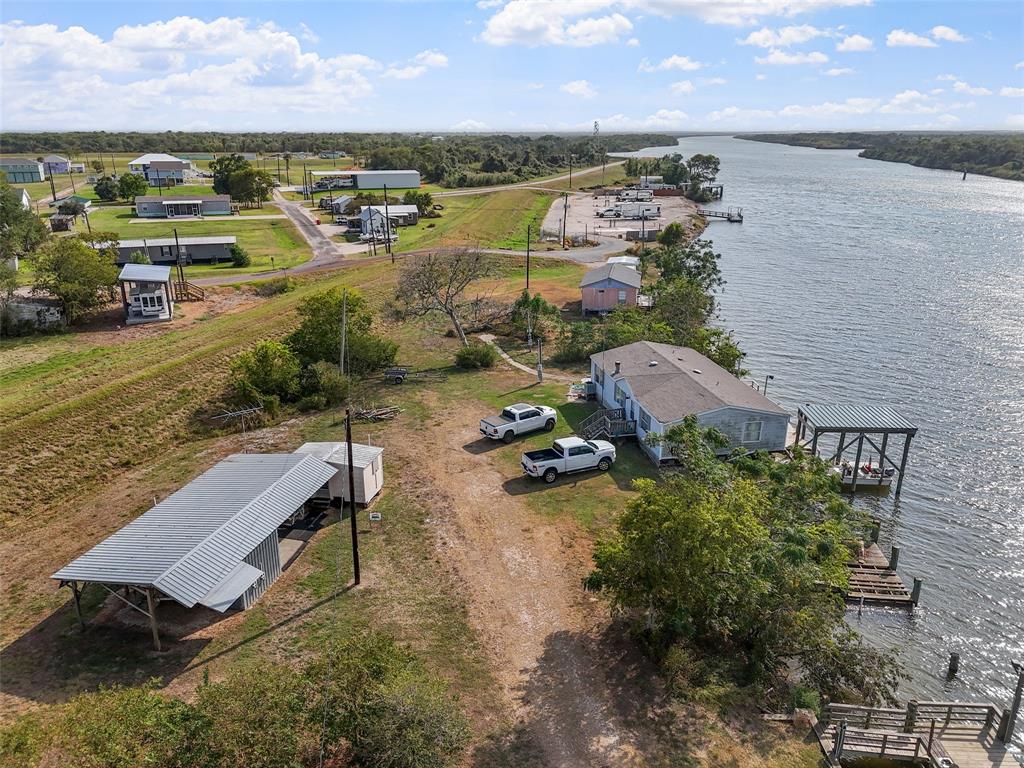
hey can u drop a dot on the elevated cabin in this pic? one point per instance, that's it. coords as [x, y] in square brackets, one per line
[658, 385]
[609, 286]
[213, 543]
[146, 293]
[22, 170]
[367, 461]
[157, 207]
[204, 249]
[160, 169]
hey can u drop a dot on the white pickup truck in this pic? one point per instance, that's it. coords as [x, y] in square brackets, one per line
[570, 454]
[518, 419]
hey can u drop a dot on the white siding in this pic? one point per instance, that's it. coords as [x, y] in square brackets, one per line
[266, 557]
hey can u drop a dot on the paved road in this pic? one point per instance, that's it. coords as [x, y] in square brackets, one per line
[532, 184]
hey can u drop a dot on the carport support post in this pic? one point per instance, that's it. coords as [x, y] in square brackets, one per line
[856, 465]
[881, 458]
[151, 604]
[903, 464]
[352, 496]
[76, 596]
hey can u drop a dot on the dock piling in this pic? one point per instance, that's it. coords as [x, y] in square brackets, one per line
[954, 665]
[915, 594]
[894, 558]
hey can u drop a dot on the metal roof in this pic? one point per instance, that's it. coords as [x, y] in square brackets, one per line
[149, 273]
[189, 545]
[857, 418]
[170, 200]
[337, 453]
[160, 241]
[153, 157]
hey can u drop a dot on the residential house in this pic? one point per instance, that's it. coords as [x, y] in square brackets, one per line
[609, 286]
[157, 207]
[22, 170]
[161, 170]
[658, 385]
[146, 293]
[56, 165]
[206, 249]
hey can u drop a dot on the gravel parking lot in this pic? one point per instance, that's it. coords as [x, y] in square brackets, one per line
[581, 216]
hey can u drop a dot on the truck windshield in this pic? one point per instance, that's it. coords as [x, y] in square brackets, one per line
[508, 414]
[558, 449]
[592, 445]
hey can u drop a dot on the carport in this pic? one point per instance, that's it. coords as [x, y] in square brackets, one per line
[214, 542]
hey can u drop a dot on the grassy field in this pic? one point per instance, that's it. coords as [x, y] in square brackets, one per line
[262, 238]
[497, 220]
[184, 190]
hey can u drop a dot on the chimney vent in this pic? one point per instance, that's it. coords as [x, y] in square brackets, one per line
[618, 366]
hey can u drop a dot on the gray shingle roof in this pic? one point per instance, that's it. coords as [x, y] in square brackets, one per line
[620, 273]
[671, 382]
[191, 541]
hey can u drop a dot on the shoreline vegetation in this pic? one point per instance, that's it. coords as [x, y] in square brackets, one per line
[1000, 155]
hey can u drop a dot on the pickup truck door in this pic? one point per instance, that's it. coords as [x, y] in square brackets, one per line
[528, 420]
[580, 457]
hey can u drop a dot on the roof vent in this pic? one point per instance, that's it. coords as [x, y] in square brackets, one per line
[653, 363]
[697, 370]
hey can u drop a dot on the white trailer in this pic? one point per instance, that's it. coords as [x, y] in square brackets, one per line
[367, 460]
[632, 211]
[635, 195]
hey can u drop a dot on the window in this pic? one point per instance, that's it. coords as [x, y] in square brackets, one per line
[598, 374]
[528, 414]
[622, 297]
[620, 395]
[752, 431]
[645, 420]
[165, 253]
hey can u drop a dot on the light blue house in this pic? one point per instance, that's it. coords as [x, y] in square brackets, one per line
[56, 165]
[22, 170]
[647, 387]
[156, 207]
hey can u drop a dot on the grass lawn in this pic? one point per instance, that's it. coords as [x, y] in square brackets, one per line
[496, 220]
[37, 190]
[262, 238]
[185, 190]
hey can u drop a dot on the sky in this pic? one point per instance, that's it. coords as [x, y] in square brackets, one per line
[512, 65]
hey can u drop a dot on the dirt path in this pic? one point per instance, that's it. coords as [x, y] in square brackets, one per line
[570, 698]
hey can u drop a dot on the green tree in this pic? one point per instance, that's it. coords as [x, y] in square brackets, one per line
[239, 256]
[533, 313]
[673, 235]
[131, 185]
[703, 169]
[223, 168]
[71, 207]
[249, 185]
[683, 306]
[697, 262]
[97, 165]
[269, 368]
[78, 276]
[21, 231]
[139, 257]
[318, 335]
[421, 199]
[717, 345]
[437, 283]
[106, 189]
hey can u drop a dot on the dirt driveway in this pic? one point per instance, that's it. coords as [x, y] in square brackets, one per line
[579, 695]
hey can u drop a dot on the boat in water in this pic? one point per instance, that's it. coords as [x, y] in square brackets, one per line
[867, 475]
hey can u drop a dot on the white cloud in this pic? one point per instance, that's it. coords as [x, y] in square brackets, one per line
[947, 78]
[682, 87]
[534, 86]
[937, 91]
[948, 34]
[961, 87]
[781, 58]
[1019, 65]
[739, 12]
[550, 22]
[417, 65]
[911, 102]
[431, 58]
[404, 73]
[633, 42]
[308, 34]
[470, 125]
[485, 4]
[900, 38]
[662, 119]
[714, 81]
[760, 76]
[580, 88]
[947, 119]
[738, 116]
[839, 71]
[229, 70]
[783, 37]
[855, 43]
[684, 63]
[1008, 90]
[856, 106]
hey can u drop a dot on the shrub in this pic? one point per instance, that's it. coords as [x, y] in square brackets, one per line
[239, 256]
[325, 380]
[139, 257]
[806, 698]
[268, 368]
[274, 286]
[318, 336]
[311, 403]
[476, 356]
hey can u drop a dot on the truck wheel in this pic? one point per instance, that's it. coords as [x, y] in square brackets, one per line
[550, 475]
[508, 437]
[604, 464]
[549, 425]
[399, 379]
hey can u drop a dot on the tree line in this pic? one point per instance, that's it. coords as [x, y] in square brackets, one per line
[987, 154]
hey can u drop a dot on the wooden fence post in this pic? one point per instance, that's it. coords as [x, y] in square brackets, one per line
[910, 721]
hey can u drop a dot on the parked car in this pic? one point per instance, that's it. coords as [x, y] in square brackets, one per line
[518, 419]
[570, 454]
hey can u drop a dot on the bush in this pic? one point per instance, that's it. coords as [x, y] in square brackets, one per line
[274, 286]
[325, 380]
[139, 257]
[311, 403]
[806, 698]
[268, 369]
[239, 256]
[476, 356]
[318, 336]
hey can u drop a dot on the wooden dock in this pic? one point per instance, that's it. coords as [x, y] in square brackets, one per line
[874, 581]
[734, 215]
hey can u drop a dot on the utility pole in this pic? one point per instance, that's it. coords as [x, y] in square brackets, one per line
[540, 360]
[387, 225]
[344, 330]
[279, 169]
[528, 226]
[178, 259]
[53, 189]
[72, 177]
[352, 496]
[113, 164]
[565, 214]
[570, 170]
[306, 190]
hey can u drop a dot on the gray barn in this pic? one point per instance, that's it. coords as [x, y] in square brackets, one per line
[164, 250]
[157, 207]
[212, 543]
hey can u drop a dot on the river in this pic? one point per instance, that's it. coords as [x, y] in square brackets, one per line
[862, 281]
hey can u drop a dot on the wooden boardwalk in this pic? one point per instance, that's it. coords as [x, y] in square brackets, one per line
[874, 582]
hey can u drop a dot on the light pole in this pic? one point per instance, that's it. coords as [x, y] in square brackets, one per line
[767, 378]
[1018, 667]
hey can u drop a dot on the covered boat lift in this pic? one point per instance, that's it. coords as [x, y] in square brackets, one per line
[857, 425]
[214, 542]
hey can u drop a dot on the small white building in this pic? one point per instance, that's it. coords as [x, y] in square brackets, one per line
[146, 293]
[367, 460]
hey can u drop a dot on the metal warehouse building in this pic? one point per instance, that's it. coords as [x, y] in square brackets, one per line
[366, 179]
[212, 543]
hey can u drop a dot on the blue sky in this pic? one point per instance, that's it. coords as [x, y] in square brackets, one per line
[538, 65]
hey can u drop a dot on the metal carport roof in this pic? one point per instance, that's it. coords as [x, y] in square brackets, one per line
[193, 540]
[857, 418]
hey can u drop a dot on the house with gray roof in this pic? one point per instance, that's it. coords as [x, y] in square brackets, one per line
[157, 207]
[56, 164]
[162, 170]
[609, 286]
[658, 385]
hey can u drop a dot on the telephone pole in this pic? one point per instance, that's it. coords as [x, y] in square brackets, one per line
[53, 189]
[565, 214]
[344, 330]
[528, 226]
[352, 496]
[387, 225]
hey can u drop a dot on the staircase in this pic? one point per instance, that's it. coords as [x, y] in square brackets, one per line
[186, 291]
[608, 423]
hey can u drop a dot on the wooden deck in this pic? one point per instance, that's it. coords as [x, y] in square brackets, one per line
[872, 581]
